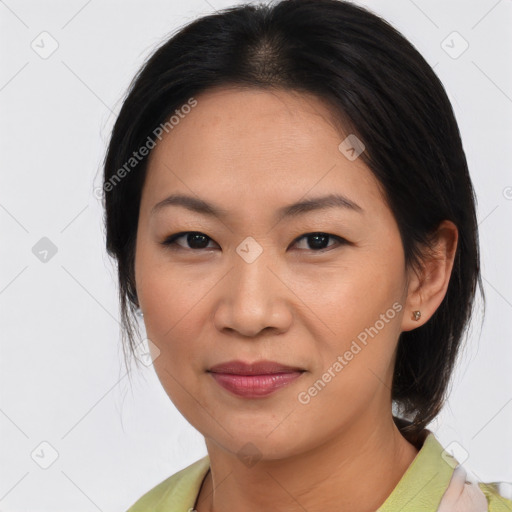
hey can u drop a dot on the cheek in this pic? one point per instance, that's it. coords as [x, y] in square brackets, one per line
[175, 314]
[356, 365]
[166, 296]
[352, 296]
[361, 306]
[171, 306]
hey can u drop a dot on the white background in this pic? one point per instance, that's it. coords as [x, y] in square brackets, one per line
[62, 378]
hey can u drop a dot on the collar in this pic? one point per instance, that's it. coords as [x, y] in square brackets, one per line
[421, 487]
[423, 484]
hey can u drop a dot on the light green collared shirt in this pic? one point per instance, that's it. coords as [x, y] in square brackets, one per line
[421, 489]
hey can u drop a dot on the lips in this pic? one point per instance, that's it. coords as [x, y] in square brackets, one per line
[254, 380]
[256, 368]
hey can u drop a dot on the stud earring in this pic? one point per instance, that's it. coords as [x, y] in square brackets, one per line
[416, 315]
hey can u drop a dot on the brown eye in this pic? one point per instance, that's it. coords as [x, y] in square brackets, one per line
[317, 242]
[195, 240]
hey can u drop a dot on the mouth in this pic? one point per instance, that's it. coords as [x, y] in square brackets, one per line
[255, 368]
[253, 380]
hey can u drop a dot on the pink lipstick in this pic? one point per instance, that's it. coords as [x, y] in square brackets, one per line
[253, 380]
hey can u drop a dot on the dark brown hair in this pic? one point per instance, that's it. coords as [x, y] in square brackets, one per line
[381, 89]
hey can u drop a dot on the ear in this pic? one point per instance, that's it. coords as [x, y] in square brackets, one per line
[427, 285]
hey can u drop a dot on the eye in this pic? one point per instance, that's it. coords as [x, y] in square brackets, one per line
[197, 241]
[317, 240]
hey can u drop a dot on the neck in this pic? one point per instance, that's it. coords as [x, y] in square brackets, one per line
[370, 454]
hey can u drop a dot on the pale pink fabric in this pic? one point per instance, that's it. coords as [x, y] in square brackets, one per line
[463, 496]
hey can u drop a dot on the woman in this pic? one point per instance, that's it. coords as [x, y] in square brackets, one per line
[289, 205]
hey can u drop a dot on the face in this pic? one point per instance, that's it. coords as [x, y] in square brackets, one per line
[319, 289]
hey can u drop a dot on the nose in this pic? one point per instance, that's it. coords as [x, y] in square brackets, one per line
[253, 298]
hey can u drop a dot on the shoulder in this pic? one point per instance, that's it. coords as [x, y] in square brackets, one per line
[496, 498]
[466, 494]
[179, 490]
[436, 481]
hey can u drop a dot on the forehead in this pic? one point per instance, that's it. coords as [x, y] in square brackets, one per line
[256, 147]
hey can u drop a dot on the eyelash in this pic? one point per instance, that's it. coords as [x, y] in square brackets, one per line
[170, 241]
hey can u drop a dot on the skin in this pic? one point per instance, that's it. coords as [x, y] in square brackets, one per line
[251, 152]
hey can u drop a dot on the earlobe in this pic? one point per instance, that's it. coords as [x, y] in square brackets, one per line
[416, 315]
[428, 286]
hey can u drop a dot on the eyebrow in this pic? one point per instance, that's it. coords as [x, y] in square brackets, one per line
[201, 206]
